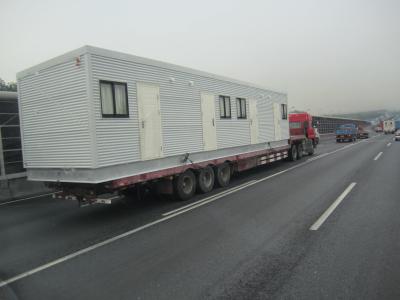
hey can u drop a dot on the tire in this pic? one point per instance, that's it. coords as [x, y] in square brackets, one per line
[222, 174]
[185, 185]
[293, 153]
[205, 180]
[337, 141]
[299, 151]
[311, 152]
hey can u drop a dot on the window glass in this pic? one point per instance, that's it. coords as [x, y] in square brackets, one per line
[224, 106]
[227, 107]
[284, 111]
[106, 98]
[243, 105]
[221, 107]
[241, 108]
[295, 125]
[120, 99]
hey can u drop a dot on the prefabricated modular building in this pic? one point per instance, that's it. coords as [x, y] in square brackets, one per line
[94, 115]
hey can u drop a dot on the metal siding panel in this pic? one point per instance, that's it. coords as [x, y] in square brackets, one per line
[118, 139]
[54, 114]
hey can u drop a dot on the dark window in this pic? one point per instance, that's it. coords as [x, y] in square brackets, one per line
[241, 108]
[284, 111]
[114, 99]
[225, 107]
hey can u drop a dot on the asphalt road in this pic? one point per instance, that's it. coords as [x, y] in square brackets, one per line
[253, 243]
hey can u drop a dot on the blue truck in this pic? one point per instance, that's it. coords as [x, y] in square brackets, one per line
[346, 133]
[397, 124]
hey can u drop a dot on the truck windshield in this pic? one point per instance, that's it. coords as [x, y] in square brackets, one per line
[295, 125]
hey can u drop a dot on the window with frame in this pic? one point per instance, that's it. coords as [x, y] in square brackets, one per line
[284, 111]
[114, 99]
[225, 107]
[241, 108]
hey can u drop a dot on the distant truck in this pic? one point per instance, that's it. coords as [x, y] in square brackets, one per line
[397, 124]
[389, 126]
[346, 132]
[362, 133]
[301, 125]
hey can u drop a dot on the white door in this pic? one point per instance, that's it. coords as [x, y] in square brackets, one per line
[253, 118]
[208, 119]
[277, 121]
[149, 120]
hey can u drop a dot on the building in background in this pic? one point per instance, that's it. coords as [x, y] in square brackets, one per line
[11, 163]
[13, 183]
[330, 124]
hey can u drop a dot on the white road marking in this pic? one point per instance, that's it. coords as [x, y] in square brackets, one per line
[165, 218]
[378, 155]
[331, 208]
[245, 185]
[82, 251]
[28, 198]
[389, 144]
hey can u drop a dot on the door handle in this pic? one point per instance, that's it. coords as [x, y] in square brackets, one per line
[213, 122]
[142, 124]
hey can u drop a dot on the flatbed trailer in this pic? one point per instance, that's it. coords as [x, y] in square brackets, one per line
[167, 181]
[171, 181]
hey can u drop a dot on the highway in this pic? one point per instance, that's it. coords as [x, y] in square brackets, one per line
[324, 227]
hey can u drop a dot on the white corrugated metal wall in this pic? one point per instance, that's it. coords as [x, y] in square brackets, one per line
[118, 139]
[54, 115]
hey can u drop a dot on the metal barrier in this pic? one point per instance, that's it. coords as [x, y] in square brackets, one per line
[11, 162]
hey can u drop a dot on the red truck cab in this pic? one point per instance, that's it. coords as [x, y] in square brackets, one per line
[300, 124]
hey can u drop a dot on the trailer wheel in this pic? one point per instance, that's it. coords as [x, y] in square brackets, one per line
[223, 174]
[205, 180]
[311, 152]
[293, 153]
[185, 185]
[299, 151]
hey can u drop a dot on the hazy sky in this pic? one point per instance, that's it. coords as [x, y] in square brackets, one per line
[329, 56]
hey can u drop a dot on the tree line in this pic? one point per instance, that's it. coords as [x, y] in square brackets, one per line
[10, 86]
